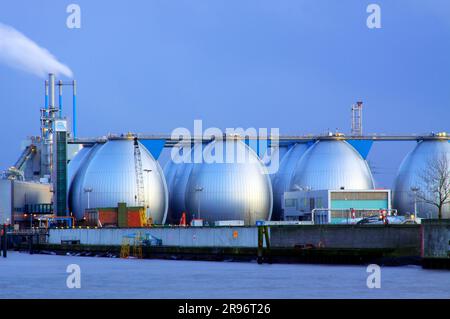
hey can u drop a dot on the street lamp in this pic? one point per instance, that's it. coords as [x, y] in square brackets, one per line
[148, 171]
[415, 189]
[88, 191]
[198, 189]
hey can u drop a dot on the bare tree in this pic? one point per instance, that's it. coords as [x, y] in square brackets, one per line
[436, 179]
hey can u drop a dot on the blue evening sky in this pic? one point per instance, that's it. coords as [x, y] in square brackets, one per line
[151, 66]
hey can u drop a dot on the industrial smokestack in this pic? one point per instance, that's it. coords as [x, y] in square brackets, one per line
[51, 80]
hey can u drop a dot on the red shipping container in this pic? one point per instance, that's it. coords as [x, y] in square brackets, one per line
[134, 219]
[108, 217]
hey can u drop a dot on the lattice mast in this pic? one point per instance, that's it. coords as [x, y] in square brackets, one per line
[139, 175]
[357, 119]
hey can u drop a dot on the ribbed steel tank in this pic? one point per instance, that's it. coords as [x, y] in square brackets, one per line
[410, 175]
[109, 171]
[75, 164]
[234, 189]
[277, 153]
[332, 164]
[76, 170]
[281, 180]
[177, 174]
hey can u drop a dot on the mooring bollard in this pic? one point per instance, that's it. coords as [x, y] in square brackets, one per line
[30, 243]
[259, 258]
[266, 237]
[263, 234]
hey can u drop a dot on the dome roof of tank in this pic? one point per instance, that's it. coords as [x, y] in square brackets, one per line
[332, 164]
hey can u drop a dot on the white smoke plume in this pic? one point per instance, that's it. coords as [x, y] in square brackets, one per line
[18, 51]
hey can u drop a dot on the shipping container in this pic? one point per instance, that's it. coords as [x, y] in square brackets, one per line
[101, 217]
[107, 217]
[122, 218]
[134, 219]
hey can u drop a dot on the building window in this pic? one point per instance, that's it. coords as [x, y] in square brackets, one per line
[319, 203]
[290, 203]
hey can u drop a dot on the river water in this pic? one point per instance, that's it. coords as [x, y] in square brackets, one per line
[44, 276]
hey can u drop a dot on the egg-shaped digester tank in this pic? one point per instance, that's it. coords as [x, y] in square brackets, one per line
[281, 180]
[230, 184]
[177, 171]
[410, 181]
[77, 162]
[332, 164]
[110, 176]
[76, 170]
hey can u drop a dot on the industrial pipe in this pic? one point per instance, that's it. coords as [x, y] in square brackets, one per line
[46, 94]
[74, 109]
[51, 114]
[44, 113]
[60, 98]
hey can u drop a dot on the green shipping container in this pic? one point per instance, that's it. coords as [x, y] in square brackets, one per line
[122, 215]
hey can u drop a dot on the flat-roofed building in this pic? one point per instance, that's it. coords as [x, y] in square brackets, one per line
[340, 206]
[19, 198]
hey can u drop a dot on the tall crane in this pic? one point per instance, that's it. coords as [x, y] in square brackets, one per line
[139, 176]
